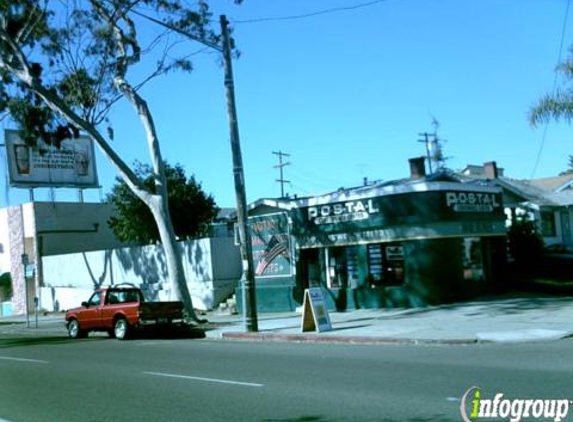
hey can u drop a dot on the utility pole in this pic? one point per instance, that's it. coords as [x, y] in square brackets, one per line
[427, 141]
[248, 276]
[281, 165]
[434, 152]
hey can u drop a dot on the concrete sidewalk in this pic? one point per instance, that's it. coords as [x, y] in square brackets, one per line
[489, 320]
[509, 319]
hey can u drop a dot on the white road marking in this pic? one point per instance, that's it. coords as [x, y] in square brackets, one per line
[216, 380]
[22, 360]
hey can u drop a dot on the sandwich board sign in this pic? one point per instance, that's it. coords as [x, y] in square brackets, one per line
[315, 312]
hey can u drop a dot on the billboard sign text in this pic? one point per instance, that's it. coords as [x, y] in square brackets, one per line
[71, 165]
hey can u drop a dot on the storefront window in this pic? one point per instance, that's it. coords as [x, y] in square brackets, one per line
[339, 265]
[394, 264]
[386, 264]
[375, 266]
[352, 263]
[473, 259]
[342, 267]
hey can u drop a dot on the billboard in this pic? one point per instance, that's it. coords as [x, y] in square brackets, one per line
[71, 165]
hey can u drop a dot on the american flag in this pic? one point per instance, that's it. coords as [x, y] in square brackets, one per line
[278, 245]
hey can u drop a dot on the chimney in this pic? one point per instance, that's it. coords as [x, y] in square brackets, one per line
[490, 170]
[417, 167]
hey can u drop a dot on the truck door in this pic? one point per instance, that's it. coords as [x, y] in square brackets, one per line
[90, 316]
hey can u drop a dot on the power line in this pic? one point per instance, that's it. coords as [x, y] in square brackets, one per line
[544, 134]
[282, 18]
[311, 14]
[316, 181]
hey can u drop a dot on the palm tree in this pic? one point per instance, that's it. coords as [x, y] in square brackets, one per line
[559, 104]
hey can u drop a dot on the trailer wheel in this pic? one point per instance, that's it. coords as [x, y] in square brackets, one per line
[121, 329]
[74, 329]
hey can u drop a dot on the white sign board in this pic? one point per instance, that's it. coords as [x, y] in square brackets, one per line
[71, 165]
[315, 312]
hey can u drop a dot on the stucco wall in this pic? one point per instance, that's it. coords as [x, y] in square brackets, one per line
[69, 279]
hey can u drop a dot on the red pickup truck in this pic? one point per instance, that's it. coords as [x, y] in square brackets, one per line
[120, 311]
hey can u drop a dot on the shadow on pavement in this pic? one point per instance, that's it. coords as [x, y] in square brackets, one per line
[493, 307]
[33, 341]
[353, 327]
[21, 341]
[174, 334]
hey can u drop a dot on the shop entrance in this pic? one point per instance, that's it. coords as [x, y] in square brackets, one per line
[309, 269]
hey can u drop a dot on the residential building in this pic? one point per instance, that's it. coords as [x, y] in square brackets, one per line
[547, 201]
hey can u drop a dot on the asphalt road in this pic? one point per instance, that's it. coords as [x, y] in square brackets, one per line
[99, 379]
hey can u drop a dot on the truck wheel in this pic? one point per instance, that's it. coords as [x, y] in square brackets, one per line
[121, 329]
[74, 330]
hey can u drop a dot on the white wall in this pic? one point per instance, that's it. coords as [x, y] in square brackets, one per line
[212, 268]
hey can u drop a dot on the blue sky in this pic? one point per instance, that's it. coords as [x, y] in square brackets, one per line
[347, 93]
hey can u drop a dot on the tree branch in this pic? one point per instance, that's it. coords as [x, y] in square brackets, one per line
[23, 71]
[27, 29]
[123, 86]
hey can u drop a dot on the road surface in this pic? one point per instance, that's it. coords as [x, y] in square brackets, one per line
[169, 380]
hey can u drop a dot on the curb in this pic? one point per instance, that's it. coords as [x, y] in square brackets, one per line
[314, 338]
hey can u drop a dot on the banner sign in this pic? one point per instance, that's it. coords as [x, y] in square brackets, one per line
[71, 165]
[415, 215]
[271, 246]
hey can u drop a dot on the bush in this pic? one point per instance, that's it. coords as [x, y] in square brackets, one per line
[525, 244]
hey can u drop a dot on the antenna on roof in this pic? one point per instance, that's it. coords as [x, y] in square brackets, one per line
[434, 152]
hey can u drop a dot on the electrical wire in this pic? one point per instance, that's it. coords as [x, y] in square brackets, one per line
[311, 14]
[544, 134]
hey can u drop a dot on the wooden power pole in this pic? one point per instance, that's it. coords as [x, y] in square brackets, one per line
[281, 165]
[248, 276]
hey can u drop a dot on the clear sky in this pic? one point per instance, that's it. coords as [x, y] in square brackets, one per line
[347, 93]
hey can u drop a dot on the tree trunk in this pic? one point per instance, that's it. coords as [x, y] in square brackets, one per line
[172, 252]
[157, 203]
